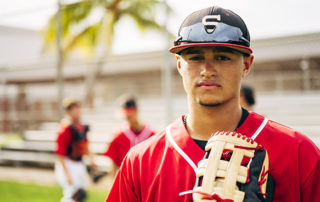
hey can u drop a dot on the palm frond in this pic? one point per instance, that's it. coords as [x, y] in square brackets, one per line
[71, 15]
[142, 22]
[143, 12]
[85, 40]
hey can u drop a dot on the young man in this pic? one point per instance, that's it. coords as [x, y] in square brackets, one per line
[130, 134]
[213, 56]
[72, 145]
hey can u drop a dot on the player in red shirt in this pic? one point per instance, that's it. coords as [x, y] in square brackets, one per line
[213, 56]
[130, 134]
[72, 145]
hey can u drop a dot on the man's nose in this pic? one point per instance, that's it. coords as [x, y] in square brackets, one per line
[209, 68]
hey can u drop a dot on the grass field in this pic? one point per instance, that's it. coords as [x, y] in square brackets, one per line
[16, 192]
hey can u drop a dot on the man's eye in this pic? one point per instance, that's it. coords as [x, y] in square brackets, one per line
[222, 58]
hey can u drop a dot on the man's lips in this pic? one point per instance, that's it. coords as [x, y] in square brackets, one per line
[208, 84]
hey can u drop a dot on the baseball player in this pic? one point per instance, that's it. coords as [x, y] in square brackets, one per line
[213, 56]
[72, 145]
[130, 134]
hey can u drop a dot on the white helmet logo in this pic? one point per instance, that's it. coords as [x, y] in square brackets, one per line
[210, 23]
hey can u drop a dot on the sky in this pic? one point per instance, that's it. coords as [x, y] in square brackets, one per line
[264, 18]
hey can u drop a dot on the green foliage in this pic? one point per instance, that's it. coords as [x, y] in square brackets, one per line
[77, 15]
[16, 192]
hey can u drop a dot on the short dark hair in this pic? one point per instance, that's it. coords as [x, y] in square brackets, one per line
[248, 94]
[127, 101]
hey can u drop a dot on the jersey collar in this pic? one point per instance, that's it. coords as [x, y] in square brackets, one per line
[182, 142]
[253, 125]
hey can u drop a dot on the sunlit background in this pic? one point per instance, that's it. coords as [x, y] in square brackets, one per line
[101, 59]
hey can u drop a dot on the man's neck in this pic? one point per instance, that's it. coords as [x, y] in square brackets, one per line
[136, 126]
[202, 121]
[75, 122]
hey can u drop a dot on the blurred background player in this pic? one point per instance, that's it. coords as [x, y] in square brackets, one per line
[130, 134]
[247, 97]
[72, 145]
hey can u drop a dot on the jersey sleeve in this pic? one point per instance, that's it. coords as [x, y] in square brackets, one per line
[64, 139]
[311, 187]
[309, 165]
[112, 151]
[123, 187]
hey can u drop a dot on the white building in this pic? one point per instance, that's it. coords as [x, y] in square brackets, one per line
[282, 65]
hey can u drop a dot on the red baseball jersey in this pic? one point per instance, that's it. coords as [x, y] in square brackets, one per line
[124, 140]
[164, 166]
[72, 142]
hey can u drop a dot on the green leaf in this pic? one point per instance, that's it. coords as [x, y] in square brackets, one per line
[143, 13]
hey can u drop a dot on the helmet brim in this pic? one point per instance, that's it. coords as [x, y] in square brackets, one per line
[243, 49]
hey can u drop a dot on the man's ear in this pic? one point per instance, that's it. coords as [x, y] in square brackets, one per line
[247, 61]
[178, 58]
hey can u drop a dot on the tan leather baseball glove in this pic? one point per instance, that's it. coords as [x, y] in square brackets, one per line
[235, 168]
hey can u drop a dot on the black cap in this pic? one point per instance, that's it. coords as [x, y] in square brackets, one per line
[213, 26]
[127, 101]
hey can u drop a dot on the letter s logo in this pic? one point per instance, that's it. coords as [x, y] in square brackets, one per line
[210, 23]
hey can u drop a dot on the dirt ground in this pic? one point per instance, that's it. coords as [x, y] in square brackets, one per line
[42, 176]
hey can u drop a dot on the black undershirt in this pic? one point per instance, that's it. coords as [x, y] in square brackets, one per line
[202, 143]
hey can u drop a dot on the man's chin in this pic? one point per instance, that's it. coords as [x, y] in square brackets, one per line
[209, 103]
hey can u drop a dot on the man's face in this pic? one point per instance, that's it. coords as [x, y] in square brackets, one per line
[75, 113]
[212, 75]
[130, 114]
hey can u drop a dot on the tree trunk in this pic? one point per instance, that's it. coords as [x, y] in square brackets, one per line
[90, 81]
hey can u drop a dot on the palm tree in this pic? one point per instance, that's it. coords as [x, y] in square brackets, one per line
[79, 33]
